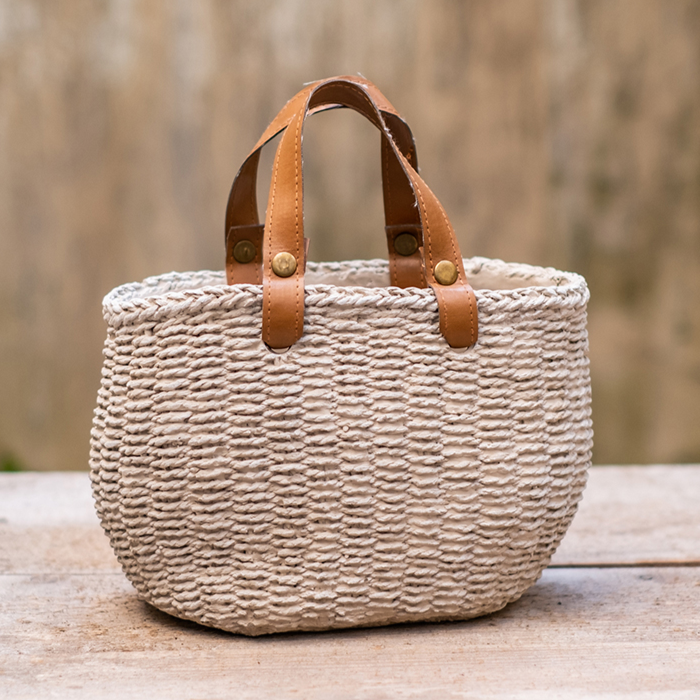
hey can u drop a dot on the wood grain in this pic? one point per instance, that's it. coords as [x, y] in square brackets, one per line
[578, 633]
[636, 515]
[562, 132]
[71, 626]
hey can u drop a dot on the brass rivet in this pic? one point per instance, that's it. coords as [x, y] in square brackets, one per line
[405, 244]
[244, 252]
[284, 264]
[445, 273]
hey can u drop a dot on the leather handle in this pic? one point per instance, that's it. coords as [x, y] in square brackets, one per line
[283, 296]
[242, 223]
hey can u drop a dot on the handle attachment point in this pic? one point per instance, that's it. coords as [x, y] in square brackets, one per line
[405, 244]
[244, 252]
[445, 273]
[284, 264]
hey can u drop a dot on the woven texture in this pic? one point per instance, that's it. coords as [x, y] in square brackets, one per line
[369, 475]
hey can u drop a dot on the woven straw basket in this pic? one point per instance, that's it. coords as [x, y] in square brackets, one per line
[369, 474]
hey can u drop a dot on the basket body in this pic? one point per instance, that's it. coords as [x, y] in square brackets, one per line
[369, 475]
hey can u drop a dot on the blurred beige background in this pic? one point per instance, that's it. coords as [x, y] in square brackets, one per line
[555, 132]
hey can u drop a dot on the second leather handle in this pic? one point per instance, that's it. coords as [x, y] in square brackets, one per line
[242, 223]
[283, 276]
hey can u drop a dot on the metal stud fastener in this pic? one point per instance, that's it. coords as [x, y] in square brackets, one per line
[405, 244]
[445, 273]
[284, 264]
[244, 252]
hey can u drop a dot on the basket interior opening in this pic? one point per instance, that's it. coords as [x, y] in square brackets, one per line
[481, 276]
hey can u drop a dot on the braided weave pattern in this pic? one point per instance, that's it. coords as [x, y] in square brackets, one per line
[369, 475]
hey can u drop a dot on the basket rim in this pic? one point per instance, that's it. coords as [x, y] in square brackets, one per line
[202, 284]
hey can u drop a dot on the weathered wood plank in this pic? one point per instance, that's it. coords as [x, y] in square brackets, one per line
[48, 525]
[578, 633]
[71, 626]
[636, 515]
[629, 515]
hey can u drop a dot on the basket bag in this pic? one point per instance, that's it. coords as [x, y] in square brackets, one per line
[307, 447]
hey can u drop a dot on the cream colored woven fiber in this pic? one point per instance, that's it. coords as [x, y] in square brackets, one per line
[368, 475]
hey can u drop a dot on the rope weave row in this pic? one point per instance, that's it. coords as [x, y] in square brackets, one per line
[369, 475]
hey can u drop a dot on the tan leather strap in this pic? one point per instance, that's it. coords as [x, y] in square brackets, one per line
[400, 212]
[283, 297]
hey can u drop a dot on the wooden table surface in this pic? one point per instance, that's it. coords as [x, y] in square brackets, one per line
[617, 615]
